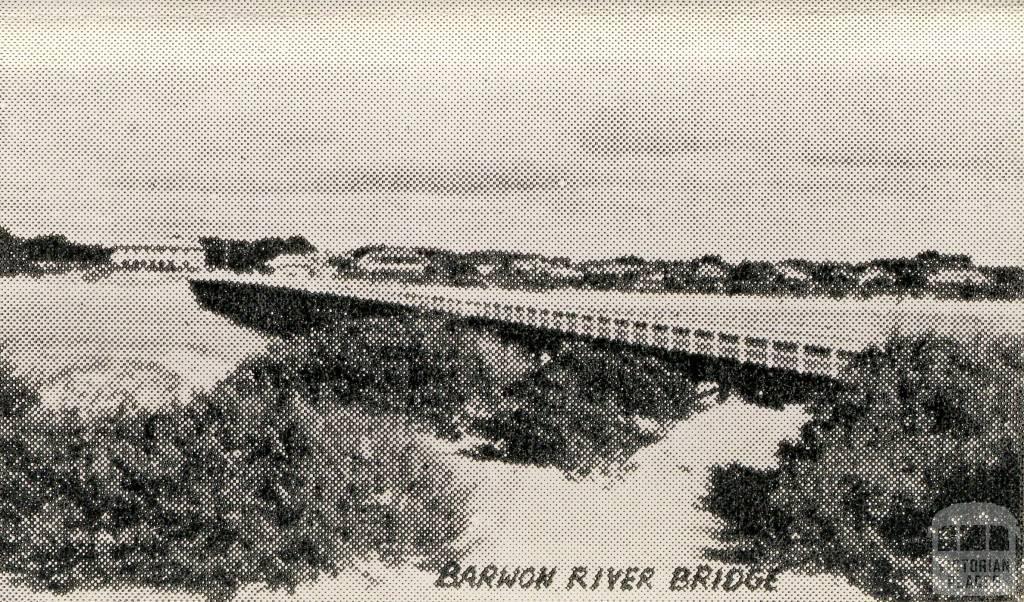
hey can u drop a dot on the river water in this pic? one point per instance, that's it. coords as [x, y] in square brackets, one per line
[138, 337]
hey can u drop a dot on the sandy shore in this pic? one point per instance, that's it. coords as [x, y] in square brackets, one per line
[645, 517]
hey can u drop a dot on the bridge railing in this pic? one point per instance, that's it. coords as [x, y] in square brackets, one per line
[781, 354]
[804, 357]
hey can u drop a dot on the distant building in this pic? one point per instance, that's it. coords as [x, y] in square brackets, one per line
[613, 268]
[713, 272]
[176, 255]
[958, 276]
[792, 273]
[843, 273]
[393, 261]
[341, 262]
[651, 279]
[486, 268]
[296, 264]
[876, 276]
[539, 266]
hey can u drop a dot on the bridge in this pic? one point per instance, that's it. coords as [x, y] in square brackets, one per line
[814, 336]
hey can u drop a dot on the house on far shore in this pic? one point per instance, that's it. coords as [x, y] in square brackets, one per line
[297, 264]
[876, 276]
[710, 272]
[958, 276]
[839, 272]
[612, 268]
[651, 279]
[174, 255]
[486, 268]
[792, 272]
[540, 266]
[709, 276]
[393, 262]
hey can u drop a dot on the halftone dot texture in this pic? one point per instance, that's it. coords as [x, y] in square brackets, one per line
[622, 248]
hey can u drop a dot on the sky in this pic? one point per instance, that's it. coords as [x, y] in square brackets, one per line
[759, 130]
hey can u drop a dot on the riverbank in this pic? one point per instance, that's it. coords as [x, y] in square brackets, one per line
[521, 515]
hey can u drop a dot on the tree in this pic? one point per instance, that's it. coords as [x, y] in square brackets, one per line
[246, 256]
[631, 260]
[910, 274]
[753, 277]
[56, 247]
[935, 258]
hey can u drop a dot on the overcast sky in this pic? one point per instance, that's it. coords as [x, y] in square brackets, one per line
[762, 130]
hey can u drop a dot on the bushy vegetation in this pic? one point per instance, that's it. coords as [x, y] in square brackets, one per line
[577, 411]
[243, 486]
[246, 255]
[426, 368]
[309, 456]
[584, 409]
[926, 422]
[18, 255]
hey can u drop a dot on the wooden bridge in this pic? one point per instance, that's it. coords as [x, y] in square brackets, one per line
[807, 335]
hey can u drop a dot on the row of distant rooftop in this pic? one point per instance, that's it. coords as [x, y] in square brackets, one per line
[404, 262]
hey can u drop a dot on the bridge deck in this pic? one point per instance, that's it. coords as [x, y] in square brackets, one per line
[812, 335]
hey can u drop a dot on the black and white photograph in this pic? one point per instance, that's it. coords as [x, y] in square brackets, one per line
[530, 299]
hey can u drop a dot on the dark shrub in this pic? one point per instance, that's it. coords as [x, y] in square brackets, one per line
[580, 410]
[432, 370]
[234, 489]
[927, 422]
[753, 529]
[246, 256]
